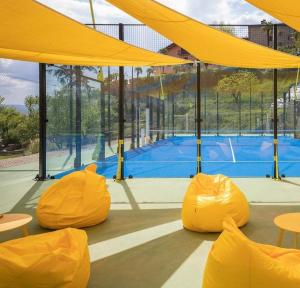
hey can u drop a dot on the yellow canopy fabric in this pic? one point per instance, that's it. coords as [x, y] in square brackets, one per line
[31, 31]
[288, 11]
[205, 43]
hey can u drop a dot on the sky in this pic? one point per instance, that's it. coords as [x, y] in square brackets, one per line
[20, 79]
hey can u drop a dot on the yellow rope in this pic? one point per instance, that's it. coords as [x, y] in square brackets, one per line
[161, 87]
[92, 13]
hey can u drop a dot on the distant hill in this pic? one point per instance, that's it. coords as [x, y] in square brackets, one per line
[19, 107]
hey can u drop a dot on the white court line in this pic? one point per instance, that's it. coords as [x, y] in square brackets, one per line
[122, 243]
[190, 273]
[233, 157]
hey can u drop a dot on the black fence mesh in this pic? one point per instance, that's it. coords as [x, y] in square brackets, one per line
[160, 103]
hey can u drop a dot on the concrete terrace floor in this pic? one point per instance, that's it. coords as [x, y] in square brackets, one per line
[143, 244]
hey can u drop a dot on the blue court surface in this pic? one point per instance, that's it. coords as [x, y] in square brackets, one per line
[235, 156]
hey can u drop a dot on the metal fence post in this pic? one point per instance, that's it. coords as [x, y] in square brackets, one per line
[173, 115]
[71, 112]
[262, 113]
[120, 169]
[163, 119]
[284, 114]
[250, 105]
[102, 123]
[132, 146]
[108, 106]
[218, 114]
[199, 168]
[158, 116]
[42, 122]
[138, 118]
[77, 162]
[240, 114]
[275, 96]
[151, 117]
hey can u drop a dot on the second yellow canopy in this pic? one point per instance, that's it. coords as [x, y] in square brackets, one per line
[205, 43]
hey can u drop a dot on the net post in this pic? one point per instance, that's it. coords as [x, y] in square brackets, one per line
[120, 169]
[42, 122]
[199, 168]
[275, 123]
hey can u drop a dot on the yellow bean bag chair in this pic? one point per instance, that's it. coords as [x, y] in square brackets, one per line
[209, 199]
[78, 200]
[52, 260]
[237, 262]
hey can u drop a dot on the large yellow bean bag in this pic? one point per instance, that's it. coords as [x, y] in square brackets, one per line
[52, 260]
[78, 200]
[209, 199]
[237, 262]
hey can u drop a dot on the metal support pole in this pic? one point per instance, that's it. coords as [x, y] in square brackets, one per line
[43, 122]
[163, 119]
[120, 171]
[262, 113]
[77, 162]
[275, 96]
[250, 106]
[71, 112]
[102, 124]
[158, 117]
[205, 111]
[108, 106]
[173, 115]
[198, 118]
[294, 114]
[284, 114]
[240, 114]
[218, 114]
[151, 117]
[132, 146]
[138, 106]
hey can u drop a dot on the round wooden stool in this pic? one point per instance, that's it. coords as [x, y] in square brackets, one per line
[13, 221]
[288, 222]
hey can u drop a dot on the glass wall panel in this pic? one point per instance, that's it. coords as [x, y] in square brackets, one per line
[288, 123]
[237, 121]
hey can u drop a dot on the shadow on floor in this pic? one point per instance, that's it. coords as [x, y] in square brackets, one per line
[148, 265]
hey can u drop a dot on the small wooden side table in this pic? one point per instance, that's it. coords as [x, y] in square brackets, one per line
[288, 222]
[13, 221]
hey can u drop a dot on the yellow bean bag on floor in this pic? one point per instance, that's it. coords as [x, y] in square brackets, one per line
[58, 259]
[237, 262]
[209, 199]
[78, 200]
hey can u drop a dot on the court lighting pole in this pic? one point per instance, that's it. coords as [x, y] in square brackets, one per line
[275, 123]
[199, 168]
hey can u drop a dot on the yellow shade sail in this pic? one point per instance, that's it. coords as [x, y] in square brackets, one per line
[287, 11]
[31, 31]
[205, 43]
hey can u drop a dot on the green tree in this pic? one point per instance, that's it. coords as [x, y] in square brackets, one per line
[150, 72]
[236, 83]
